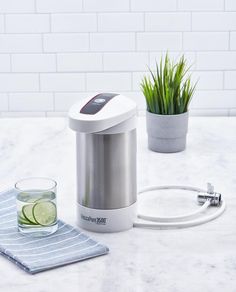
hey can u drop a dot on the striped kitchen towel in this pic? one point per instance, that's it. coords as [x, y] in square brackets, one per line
[67, 245]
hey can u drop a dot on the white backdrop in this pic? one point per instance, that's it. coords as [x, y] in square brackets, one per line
[54, 52]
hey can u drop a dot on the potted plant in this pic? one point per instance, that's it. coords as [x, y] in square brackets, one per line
[168, 92]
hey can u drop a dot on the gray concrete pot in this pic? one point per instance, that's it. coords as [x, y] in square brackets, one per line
[167, 133]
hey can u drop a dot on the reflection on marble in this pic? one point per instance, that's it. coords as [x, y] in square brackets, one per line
[197, 259]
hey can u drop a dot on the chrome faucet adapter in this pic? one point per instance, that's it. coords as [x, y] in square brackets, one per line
[210, 195]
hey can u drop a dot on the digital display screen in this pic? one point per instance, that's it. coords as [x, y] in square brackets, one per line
[97, 103]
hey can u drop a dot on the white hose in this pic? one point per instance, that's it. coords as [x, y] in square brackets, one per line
[176, 218]
[177, 221]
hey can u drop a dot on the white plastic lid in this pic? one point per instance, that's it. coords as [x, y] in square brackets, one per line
[101, 112]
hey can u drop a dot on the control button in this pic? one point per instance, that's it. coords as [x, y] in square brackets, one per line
[99, 100]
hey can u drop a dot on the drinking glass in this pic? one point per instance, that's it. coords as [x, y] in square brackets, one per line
[36, 206]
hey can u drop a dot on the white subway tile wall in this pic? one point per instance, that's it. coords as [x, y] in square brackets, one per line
[55, 52]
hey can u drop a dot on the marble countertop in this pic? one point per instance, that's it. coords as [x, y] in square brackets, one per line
[196, 259]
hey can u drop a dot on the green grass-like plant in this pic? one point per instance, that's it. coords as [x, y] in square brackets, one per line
[168, 91]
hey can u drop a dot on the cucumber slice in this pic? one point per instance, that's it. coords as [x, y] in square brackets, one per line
[22, 220]
[46, 196]
[44, 213]
[41, 200]
[28, 213]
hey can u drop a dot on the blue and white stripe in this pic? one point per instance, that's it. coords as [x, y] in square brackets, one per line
[67, 245]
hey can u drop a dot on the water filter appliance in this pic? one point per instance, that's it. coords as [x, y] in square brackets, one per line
[105, 128]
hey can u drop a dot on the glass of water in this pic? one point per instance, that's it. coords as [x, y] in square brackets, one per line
[36, 206]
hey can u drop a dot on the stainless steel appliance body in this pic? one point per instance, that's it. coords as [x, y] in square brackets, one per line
[106, 170]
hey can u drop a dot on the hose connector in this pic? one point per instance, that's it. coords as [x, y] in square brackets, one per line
[213, 197]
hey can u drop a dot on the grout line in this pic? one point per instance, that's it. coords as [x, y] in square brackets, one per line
[144, 21]
[35, 6]
[118, 32]
[177, 6]
[124, 11]
[103, 66]
[56, 60]
[215, 113]
[39, 80]
[8, 101]
[4, 23]
[149, 59]
[86, 82]
[50, 22]
[132, 81]
[191, 21]
[54, 102]
[135, 42]
[121, 90]
[97, 16]
[116, 51]
[223, 80]
[11, 69]
[89, 41]
[196, 61]
[42, 43]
